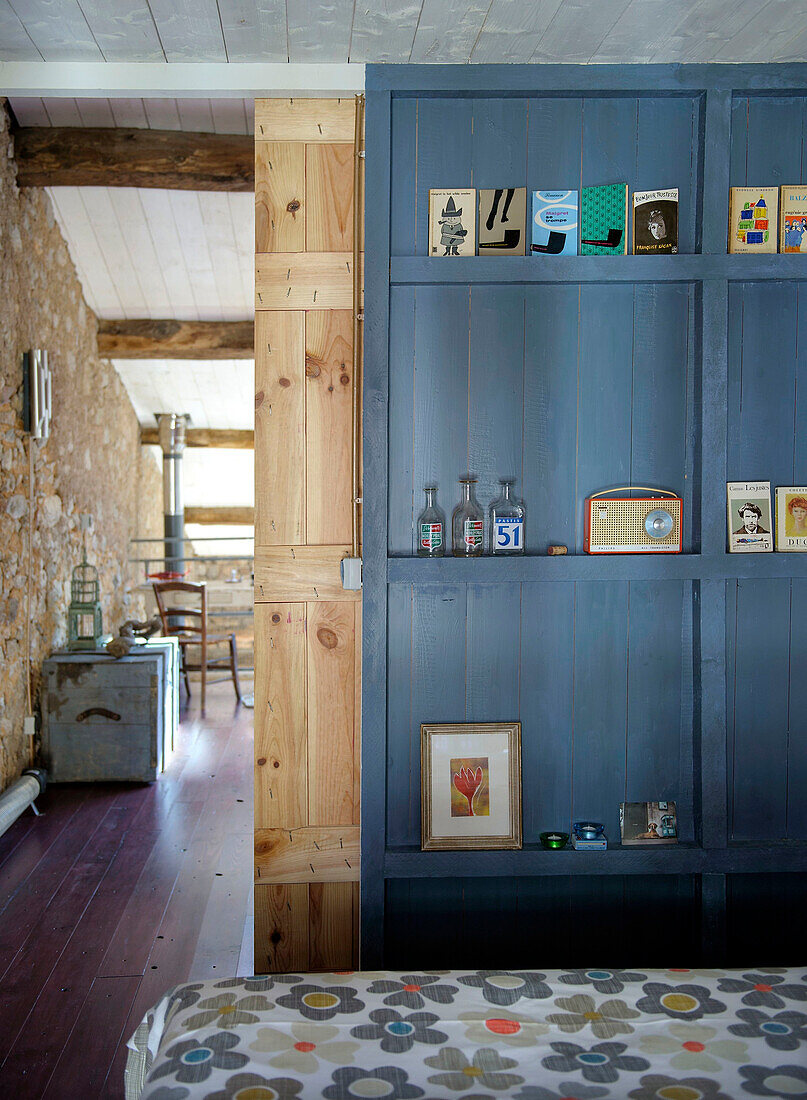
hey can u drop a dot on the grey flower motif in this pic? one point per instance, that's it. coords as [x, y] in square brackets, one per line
[410, 990]
[601, 1063]
[486, 1068]
[703, 1087]
[566, 1090]
[604, 981]
[317, 1002]
[185, 995]
[774, 1081]
[258, 983]
[607, 1019]
[765, 990]
[505, 987]
[682, 1002]
[400, 1033]
[254, 1084]
[784, 1031]
[346, 1079]
[193, 1060]
[228, 1010]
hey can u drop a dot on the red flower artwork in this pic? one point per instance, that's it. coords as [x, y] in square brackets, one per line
[467, 781]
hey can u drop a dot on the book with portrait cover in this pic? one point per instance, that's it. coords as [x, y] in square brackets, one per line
[749, 517]
[793, 219]
[753, 219]
[554, 223]
[655, 222]
[452, 222]
[502, 221]
[791, 518]
[604, 220]
[651, 823]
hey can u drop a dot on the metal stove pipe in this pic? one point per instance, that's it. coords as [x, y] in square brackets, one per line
[172, 441]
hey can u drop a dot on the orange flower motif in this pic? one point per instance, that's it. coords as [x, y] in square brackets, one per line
[467, 781]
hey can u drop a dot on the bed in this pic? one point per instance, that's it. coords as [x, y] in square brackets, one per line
[526, 1034]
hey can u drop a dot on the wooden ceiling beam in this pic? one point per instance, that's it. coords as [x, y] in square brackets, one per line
[226, 515]
[148, 339]
[67, 156]
[230, 438]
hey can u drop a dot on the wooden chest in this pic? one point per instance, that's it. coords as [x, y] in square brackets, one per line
[103, 718]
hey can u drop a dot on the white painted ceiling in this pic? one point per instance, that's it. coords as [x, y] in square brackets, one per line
[403, 30]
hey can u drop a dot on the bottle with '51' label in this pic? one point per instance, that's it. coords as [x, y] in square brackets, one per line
[506, 522]
[431, 528]
[468, 523]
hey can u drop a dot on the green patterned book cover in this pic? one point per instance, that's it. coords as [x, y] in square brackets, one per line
[604, 220]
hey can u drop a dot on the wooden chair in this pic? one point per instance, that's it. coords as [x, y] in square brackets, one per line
[195, 633]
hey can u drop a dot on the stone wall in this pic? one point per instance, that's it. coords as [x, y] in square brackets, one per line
[92, 462]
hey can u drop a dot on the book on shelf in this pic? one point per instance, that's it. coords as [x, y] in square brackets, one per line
[793, 219]
[749, 517]
[753, 219]
[655, 222]
[502, 221]
[604, 220]
[554, 223]
[452, 222]
[791, 518]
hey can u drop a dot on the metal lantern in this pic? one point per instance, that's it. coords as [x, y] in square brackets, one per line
[84, 613]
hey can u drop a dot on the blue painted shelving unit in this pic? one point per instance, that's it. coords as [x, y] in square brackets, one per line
[633, 677]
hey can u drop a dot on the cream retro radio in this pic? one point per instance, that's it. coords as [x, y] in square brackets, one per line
[623, 525]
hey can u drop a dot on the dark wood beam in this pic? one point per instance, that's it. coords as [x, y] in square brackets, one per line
[176, 339]
[49, 156]
[232, 438]
[226, 515]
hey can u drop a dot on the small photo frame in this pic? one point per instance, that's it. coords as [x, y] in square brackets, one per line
[749, 517]
[470, 785]
[791, 518]
[650, 823]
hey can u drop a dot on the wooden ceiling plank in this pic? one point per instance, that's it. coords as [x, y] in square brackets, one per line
[123, 29]
[578, 30]
[512, 31]
[148, 339]
[162, 114]
[188, 217]
[164, 234]
[195, 116]
[62, 111]
[129, 113]
[385, 32]
[140, 249]
[113, 242]
[229, 439]
[190, 30]
[15, 43]
[59, 31]
[95, 276]
[317, 31]
[28, 110]
[116, 157]
[643, 28]
[229, 116]
[448, 29]
[221, 243]
[254, 31]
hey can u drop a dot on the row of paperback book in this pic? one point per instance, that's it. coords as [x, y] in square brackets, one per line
[753, 219]
[593, 222]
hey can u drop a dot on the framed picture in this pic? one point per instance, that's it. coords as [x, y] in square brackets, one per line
[749, 517]
[650, 823]
[791, 518]
[470, 785]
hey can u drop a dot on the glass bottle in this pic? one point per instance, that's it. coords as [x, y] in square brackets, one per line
[431, 528]
[506, 522]
[468, 523]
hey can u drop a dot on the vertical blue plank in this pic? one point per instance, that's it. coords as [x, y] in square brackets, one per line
[444, 133]
[654, 691]
[600, 702]
[403, 178]
[489, 906]
[734, 381]
[606, 370]
[667, 155]
[404, 504]
[555, 145]
[760, 717]
[424, 923]
[499, 151]
[550, 414]
[797, 716]
[775, 135]
[441, 393]
[738, 171]
[403, 744]
[760, 426]
[493, 645]
[546, 706]
[609, 142]
[438, 674]
[496, 398]
[660, 377]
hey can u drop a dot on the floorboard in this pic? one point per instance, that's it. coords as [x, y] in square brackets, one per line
[116, 893]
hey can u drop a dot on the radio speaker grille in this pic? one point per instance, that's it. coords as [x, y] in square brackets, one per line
[620, 523]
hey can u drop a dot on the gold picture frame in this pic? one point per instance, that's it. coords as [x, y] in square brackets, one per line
[470, 785]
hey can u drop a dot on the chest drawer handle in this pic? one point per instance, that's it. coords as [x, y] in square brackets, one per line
[100, 711]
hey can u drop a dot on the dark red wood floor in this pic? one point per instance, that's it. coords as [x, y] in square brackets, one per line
[117, 893]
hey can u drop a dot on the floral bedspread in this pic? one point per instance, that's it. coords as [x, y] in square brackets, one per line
[526, 1034]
